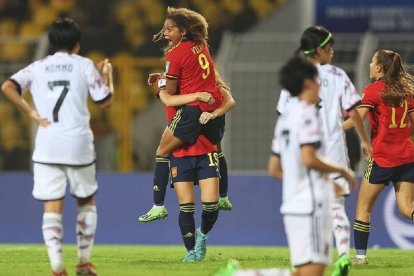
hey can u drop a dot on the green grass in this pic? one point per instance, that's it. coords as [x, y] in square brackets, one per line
[166, 260]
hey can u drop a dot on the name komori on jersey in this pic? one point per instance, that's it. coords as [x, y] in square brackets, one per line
[303, 188]
[390, 127]
[60, 85]
[192, 66]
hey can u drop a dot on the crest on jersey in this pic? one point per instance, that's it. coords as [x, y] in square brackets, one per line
[174, 171]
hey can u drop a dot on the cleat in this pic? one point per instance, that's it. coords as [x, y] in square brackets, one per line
[60, 273]
[156, 213]
[360, 260]
[224, 204]
[342, 266]
[86, 269]
[190, 257]
[231, 267]
[200, 246]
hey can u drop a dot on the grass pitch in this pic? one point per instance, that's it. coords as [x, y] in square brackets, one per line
[166, 260]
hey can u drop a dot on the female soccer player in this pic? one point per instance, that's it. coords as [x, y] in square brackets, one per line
[389, 104]
[64, 151]
[307, 191]
[337, 93]
[161, 175]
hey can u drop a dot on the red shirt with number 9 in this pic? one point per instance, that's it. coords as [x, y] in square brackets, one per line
[192, 66]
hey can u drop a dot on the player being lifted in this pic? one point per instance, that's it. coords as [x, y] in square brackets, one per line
[64, 150]
[307, 190]
[187, 34]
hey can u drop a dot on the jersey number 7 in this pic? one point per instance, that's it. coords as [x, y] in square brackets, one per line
[59, 102]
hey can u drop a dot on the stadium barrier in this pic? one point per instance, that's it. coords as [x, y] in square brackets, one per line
[255, 219]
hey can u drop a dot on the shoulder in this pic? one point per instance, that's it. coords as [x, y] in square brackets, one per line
[374, 87]
[332, 70]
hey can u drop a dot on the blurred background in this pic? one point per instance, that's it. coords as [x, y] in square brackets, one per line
[249, 40]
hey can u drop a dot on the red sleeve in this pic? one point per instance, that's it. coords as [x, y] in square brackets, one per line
[173, 65]
[370, 98]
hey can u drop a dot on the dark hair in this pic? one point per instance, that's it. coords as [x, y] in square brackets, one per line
[63, 34]
[399, 85]
[192, 23]
[293, 74]
[314, 37]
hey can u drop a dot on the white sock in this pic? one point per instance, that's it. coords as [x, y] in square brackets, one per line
[157, 206]
[341, 227]
[53, 236]
[85, 231]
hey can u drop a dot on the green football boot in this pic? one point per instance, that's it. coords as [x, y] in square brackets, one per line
[224, 204]
[156, 213]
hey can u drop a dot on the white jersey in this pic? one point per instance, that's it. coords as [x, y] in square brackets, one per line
[337, 93]
[303, 188]
[60, 85]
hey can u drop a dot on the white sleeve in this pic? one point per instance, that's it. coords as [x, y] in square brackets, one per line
[283, 101]
[349, 97]
[309, 127]
[24, 78]
[275, 143]
[97, 89]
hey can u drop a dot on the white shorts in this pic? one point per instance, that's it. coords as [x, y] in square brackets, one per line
[50, 181]
[309, 237]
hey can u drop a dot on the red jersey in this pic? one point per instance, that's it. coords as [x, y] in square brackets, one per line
[390, 132]
[193, 68]
[201, 146]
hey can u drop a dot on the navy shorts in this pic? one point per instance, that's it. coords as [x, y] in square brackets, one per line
[380, 175]
[186, 126]
[194, 168]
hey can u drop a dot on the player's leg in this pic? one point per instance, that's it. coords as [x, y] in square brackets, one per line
[368, 194]
[50, 186]
[159, 188]
[83, 187]
[185, 195]
[208, 175]
[404, 183]
[224, 202]
[183, 177]
[341, 229]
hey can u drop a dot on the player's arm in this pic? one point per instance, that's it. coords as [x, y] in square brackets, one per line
[359, 127]
[106, 71]
[182, 99]
[227, 104]
[311, 161]
[11, 91]
[363, 112]
[274, 166]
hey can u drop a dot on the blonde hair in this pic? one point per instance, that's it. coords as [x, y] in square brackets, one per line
[399, 85]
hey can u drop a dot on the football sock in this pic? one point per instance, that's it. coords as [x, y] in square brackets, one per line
[187, 224]
[208, 216]
[53, 236]
[341, 227]
[161, 177]
[85, 231]
[361, 235]
[224, 178]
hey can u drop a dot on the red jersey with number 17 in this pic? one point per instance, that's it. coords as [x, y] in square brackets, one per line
[192, 66]
[390, 131]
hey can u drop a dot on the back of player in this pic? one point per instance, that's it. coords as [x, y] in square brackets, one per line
[60, 85]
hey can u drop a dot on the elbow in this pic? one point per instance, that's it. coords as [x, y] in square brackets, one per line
[275, 174]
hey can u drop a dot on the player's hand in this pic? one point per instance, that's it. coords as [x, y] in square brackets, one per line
[43, 122]
[153, 77]
[206, 116]
[339, 191]
[349, 176]
[366, 150]
[205, 97]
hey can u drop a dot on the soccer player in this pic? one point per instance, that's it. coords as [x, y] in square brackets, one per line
[307, 191]
[161, 175]
[337, 93]
[64, 150]
[190, 68]
[389, 104]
